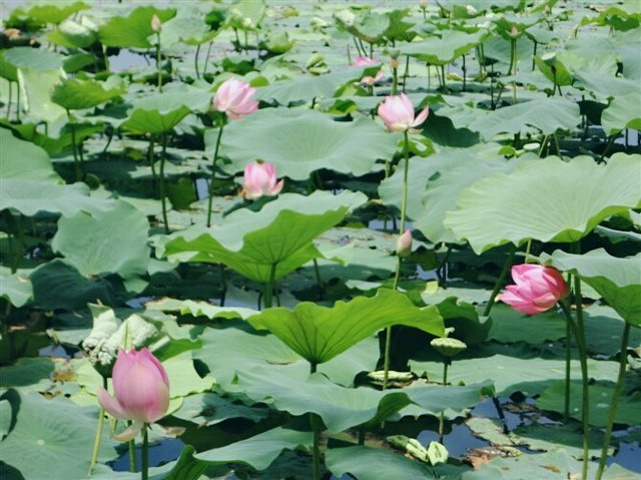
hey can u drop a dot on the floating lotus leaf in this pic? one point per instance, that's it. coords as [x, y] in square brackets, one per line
[622, 113]
[545, 114]
[134, 30]
[280, 234]
[618, 280]
[526, 203]
[24, 160]
[113, 241]
[35, 85]
[260, 450]
[16, 288]
[445, 49]
[318, 333]
[300, 142]
[27, 57]
[74, 34]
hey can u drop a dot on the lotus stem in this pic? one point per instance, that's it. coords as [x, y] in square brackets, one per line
[556, 144]
[445, 365]
[76, 163]
[269, 287]
[464, 73]
[207, 57]
[545, 140]
[568, 358]
[18, 102]
[9, 102]
[499, 281]
[534, 55]
[395, 79]
[618, 390]
[131, 444]
[406, 72]
[196, 61]
[144, 471]
[319, 280]
[163, 193]
[213, 172]
[512, 68]
[158, 68]
[98, 437]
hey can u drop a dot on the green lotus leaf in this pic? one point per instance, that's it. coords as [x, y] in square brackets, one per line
[318, 333]
[35, 85]
[48, 13]
[260, 450]
[339, 407]
[280, 234]
[16, 288]
[622, 113]
[554, 70]
[367, 463]
[618, 280]
[7, 70]
[113, 241]
[246, 14]
[37, 59]
[24, 160]
[134, 30]
[74, 34]
[545, 114]
[300, 142]
[210, 409]
[161, 112]
[445, 49]
[54, 432]
[450, 400]
[524, 204]
[80, 94]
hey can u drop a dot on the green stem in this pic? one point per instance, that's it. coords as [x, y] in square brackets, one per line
[76, 163]
[443, 78]
[196, 61]
[583, 358]
[9, 102]
[213, 173]
[556, 144]
[319, 280]
[545, 140]
[269, 286]
[314, 421]
[98, 437]
[150, 158]
[406, 72]
[394, 80]
[144, 471]
[207, 57]
[534, 55]
[528, 246]
[18, 102]
[499, 281]
[464, 73]
[568, 359]
[163, 193]
[405, 175]
[512, 56]
[132, 453]
[618, 389]
[158, 63]
[445, 365]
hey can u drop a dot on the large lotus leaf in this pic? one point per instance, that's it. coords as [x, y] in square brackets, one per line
[54, 432]
[191, 30]
[35, 58]
[260, 450]
[527, 203]
[442, 192]
[545, 114]
[24, 160]
[251, 242]
[35, 85]
[132, 31]
[445, 49]
[30, 197]
[48, 13]
[7, 70]
[628, 410]
[16, 288]
[439, 399]
[511, 368]
[159, 113]
[622, 113]
[208, 408]
[618, 280]
[113, 241]
[318, 333]
[199, 308]
[339, 407]
[74, 34]
[511, 326]
[79, 94]
[300, 141]
[367, 463]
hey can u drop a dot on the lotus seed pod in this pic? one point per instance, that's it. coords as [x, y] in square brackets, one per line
[448, 347]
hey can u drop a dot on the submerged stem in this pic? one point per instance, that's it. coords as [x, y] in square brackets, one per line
[618, 389]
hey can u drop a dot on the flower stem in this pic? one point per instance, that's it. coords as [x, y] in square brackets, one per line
[158, 63]
[144, 470]
[388, 330]
[132, 453]
[163, 193]
[196, 61]
[568, 358]
[213, 173]
[207, 57]
[618, 389]
[499, 281]
[98, 437]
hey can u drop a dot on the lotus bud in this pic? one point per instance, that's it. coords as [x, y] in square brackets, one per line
[156, 24]
[537, 288]
[260, 180]
[235, 98]
[141, 389]
[514, 32]
[397, 113]
[404, 244]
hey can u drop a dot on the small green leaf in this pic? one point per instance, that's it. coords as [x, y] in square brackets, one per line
[80, 94]
[134, 30]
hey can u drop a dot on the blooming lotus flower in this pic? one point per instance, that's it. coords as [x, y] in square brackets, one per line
[141, 390]
[397, 113]
[156, 24]
[260, 179]
[368, 62]
[404, 244]
[234, 97]
[537, 288]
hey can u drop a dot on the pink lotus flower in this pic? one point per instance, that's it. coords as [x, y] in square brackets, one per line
[404, 244]
[368, 62]
[537, 288]
[260, 179]
[234, 97]
[397, 113]
[141, 391]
